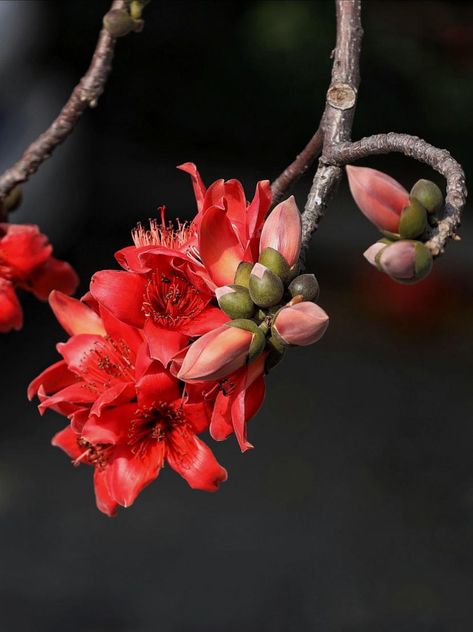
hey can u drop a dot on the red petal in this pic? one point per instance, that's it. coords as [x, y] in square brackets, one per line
[194, 461]
[116, 395]
[221, 425]
[121, 293]
[105, 503]
[23, 248]
[11, 314]
[219, 246]
[199, 188]
[78, 419]
[258, 207]
[163, 343]
[74, 316]
[53, 275]
[120, 331]
[158, 385]
[128, 474]
[111, 427]
[52, 379]
[66, 400]
[67, 440]
[210, 318]
[236, 207]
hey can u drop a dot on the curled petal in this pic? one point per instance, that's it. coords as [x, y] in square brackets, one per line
[105, 503]
[219, 246]
[53, 275]
[121, 293]
[67, 440]
[198, 185]
[23, 248]
[54, 378]
[74, 316]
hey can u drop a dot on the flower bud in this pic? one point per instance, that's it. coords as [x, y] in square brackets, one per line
[406, 261]
[274, 261]
[373, 252]
[428, 194]
[235, 301]
[413, 220]
[222, 351]
[118, 22]
[282, 231]
[305, 285]
[266, 288]
[301, 324]
[242, 275]
[378, 196]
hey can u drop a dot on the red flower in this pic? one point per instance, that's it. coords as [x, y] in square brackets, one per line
[128, 415]
[26, 262]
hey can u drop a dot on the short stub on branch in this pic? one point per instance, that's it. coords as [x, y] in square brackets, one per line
[341, 96]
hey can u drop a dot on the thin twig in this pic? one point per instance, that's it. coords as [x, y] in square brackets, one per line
[337, 119]
[281, 185]
[84, 95]
[438, 159]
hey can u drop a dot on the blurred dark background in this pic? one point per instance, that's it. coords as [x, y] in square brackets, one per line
[354, 513]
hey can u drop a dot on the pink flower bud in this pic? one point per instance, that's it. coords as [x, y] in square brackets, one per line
[399, 260]
[301, 324]
[216, 354]
[282, 231]
[371, 253]
[378, 196]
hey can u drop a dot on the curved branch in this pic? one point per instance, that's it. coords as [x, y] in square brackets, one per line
[298, 167]
[337, 119]
[419, 149]
[84, 95]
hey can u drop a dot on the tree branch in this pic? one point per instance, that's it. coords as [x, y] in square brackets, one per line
[84, 95]
[296, 169]
[438, 159]
[337, 119]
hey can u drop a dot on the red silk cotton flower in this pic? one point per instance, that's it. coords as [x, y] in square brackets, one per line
[26, 262]
[128, 415]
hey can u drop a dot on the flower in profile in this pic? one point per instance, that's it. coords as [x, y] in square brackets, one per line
[301, 324]
[282, 231]
[128, 415]
[405, 261]
[26, 262]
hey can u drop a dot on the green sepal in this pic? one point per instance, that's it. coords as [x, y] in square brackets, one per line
[276, 352]
[429, 195]
[274, 261]
[391, 236]
[237, 304]
[424, 261]
[267, 290]
[242, 275]
[413, 221]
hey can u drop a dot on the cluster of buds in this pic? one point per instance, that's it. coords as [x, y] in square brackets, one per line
[402, 217]
[271, 306]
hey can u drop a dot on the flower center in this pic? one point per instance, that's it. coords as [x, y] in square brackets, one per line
[170, 300]
[153, 423]
[108, 362]
[97, 455]
[162, 233]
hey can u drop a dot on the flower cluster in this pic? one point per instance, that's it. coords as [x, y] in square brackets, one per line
[403, 218]
[26, 262]
[178, 342]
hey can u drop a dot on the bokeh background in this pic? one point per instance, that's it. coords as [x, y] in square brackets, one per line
[354, 513]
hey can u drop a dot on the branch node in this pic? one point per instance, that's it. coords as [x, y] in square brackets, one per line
[341, 96]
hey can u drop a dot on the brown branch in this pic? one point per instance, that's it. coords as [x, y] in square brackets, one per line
[337, 119]
[296, 169]
[84, 95]
[438, 159]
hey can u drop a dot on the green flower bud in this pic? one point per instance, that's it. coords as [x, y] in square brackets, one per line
[274, 261]
[266, 288]
[258, 342]
[118, 23]
[242, 275]
[235, 301]
[305, 285]
[413, 220]
[428, 194]
[276, 353]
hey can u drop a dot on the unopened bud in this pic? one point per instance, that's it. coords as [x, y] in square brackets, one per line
[305, 285]
[301, 324]
[118, 23]
[274, 261]
[282, 231]
[266, 288]
[258, 341]
[242, 275]
[406, 261]
[413, 220]
[235, 301]
[428, 194]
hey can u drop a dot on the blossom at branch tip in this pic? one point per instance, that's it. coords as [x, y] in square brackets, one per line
[128, 415]
[282, 231]
[26, 262]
